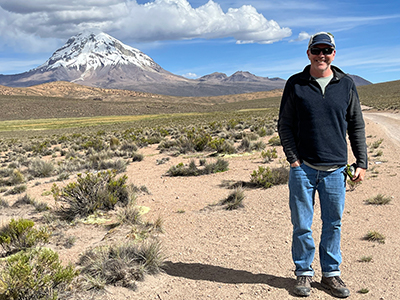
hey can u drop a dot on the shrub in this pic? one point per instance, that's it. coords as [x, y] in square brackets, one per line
[40, 168]
[20, 234]
[16, 177]
[378, 200]
[191, 170]
[222, 145]
[235, 199]
[365, 259]
[121, 264]
[353, 184]
[269, 155]
[3, 203]
[114, 143]
[266, 177]
[274, 141]
[375, 236]
[24, 200]
[16, 190]
[376, 144]
[34, 274]
[91, 193]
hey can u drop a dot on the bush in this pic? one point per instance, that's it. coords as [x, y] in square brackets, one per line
[266, 177]
[34, 274]
[40, 168]
[269, 155]
[222, 145]
[378, 200]
[121, 264]
[16, 190]
[375, 236]
[274, 141]
[16, 177]
[91, 193]
[192, 170]
[19, 235]
[235, 199]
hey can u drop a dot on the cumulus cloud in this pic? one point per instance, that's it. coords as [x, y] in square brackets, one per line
[190, 75]
[302, 37]
[126, 19]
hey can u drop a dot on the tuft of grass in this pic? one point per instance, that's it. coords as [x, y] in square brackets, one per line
[375, 236]
[365, 259]
[353, 184]
[18, 189]
[4, 203]
[363, 291]
[379, 199]
[122, 264]
[376, 144]
[235, 199]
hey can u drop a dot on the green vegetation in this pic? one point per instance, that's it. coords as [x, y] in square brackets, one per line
[20, 235]
[365, 259]
[180, 169]
[34, 274]
[381, 96]
[379, 199]
[363, 291]
[234, 200]
[375, 236]
[267, 177]
[122, 264]
[90, 193]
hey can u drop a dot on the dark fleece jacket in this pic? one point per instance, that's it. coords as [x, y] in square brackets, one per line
[312, 126]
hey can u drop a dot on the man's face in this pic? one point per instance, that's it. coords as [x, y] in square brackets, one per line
[320, 62]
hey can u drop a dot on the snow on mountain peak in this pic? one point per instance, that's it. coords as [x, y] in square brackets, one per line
[89, 51]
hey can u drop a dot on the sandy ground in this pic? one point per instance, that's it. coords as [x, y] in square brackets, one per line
[245, 253]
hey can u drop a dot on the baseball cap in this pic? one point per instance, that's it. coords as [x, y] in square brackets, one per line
[322, 38]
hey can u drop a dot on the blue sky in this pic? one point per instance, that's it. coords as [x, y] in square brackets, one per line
[198, 37]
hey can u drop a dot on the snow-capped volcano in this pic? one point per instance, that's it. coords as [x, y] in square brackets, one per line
[95, 59]
[99, 60]
[87, 51]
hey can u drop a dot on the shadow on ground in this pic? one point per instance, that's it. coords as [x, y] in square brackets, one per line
[197, 271]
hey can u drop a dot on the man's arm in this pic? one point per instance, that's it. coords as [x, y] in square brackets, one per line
[287, 117]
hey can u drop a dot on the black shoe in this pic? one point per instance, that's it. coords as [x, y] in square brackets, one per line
[303, 286]
[336, 286]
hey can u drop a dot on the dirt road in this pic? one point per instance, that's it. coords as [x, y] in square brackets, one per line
[389, 121]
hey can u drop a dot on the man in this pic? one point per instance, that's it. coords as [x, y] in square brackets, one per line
[319, 106]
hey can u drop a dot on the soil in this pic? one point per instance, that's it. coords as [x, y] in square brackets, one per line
[245, 253]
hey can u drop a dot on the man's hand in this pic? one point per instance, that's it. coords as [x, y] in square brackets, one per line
[359, 175]
[295, 164]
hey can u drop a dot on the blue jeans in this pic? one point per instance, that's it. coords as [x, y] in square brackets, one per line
[331, 186]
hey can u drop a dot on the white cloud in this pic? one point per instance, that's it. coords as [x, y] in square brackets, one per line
[128, 20]
[190, 75]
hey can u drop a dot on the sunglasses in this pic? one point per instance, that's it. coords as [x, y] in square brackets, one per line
[325, 51]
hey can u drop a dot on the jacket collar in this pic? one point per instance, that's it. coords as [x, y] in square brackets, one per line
[337, 73]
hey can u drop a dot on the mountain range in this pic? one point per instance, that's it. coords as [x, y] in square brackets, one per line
[99, 60]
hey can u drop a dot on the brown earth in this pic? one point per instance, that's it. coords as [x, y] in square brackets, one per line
[245, 253]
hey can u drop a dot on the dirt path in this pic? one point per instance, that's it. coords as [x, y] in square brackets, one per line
[389, 121]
